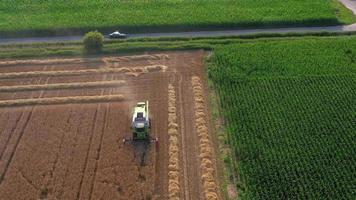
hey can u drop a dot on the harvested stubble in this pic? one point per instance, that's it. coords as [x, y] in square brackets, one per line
[206, 150]
[125, 70]
[49, 61]
[107, 60]
[137, 71]
[173, 148]
[61, 100]
[58, 86]
[110, 60]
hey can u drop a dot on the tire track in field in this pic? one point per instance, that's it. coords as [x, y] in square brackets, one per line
[3, 148]
[7, 164]
[59, 175]
[98, 152]
[9, 135]
[88, 151]
[15, 147]
[26, 124]
[184, 154]
[85, 167]
[29, 116]
[73, 151]
[51, 181]
[54, 166]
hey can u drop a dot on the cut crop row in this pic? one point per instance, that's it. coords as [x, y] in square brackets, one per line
[58, 86]
[61, 100]
[206, 152]
[73, 61]
[136, 71]
[173, 147]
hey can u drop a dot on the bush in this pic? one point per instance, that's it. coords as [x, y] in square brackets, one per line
[93, 42]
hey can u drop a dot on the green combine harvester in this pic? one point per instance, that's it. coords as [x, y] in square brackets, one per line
[141, 133]
[141, 124]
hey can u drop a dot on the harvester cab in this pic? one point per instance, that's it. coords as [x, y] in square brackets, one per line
[141, 122]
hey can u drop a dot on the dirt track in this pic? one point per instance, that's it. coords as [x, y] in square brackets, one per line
[75, 151]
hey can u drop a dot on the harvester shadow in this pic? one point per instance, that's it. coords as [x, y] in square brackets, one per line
[142, 151]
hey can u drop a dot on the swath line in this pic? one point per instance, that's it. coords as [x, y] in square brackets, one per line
[57, 86]
[141, 69]
[61, 100]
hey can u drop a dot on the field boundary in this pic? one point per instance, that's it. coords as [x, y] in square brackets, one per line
[229, 178]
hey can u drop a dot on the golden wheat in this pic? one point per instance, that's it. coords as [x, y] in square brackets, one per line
[49, 61]
[110, 60]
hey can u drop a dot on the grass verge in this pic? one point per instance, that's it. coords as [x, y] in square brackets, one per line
[134, 46]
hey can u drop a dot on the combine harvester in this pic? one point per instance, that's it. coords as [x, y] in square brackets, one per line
[141, 131]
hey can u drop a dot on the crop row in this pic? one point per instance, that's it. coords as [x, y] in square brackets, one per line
[292, 139]
[290, 112]
[173, 147]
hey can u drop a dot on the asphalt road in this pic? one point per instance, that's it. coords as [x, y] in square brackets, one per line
[351, 4]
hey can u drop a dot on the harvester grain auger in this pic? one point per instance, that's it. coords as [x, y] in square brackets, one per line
[141, 130]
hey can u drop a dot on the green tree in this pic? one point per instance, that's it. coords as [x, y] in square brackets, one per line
[93, 42]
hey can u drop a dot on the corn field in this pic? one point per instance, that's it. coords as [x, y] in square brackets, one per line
[290, 116]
